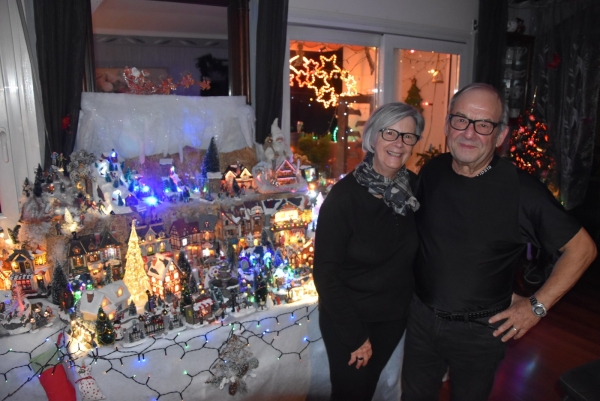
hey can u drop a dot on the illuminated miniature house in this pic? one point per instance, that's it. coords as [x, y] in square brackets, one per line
[165, 276]
[113, 298]
[90, 253]
[153, 239]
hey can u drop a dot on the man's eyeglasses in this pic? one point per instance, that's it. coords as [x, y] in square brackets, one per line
[482, 127]
[391, 135]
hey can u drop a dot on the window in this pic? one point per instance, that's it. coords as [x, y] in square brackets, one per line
[163, 246]
[150, 250]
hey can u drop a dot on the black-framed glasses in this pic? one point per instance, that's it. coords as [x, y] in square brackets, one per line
[482, 127]
[391, 135]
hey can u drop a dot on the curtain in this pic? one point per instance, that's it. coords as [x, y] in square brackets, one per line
[566, 72]
[270, 56]
[491, 42]
[60, 27]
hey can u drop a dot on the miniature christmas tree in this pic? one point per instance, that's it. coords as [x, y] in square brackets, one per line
[234, 364]
[132, 308]
[186, 297]
[100, 193]
[27, 187]
[184, 265]
[59, 283]
[105, 333]
[193, 284]
[39, 180]
[108, 278]
[210, 164]
[529, 144]
[414, 96]
[135, 277]
[107, 177]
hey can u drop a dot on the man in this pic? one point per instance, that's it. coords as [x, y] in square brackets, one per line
[477, 214]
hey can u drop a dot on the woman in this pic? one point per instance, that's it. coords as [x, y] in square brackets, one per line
[366, 241]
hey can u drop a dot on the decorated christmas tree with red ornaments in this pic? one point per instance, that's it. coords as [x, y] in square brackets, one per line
[529, 146]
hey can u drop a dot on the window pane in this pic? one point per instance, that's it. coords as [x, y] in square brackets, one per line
[332, 94]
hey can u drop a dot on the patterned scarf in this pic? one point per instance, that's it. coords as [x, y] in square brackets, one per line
[396, 193]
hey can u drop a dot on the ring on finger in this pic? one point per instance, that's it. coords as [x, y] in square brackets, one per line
[360, 358]
[514, 328]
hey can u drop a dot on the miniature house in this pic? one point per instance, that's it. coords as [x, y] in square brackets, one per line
[90, 253]
[153, 239]
[112, 298]
[164, 276]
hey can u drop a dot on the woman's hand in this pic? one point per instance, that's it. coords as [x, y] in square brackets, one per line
[362, 355]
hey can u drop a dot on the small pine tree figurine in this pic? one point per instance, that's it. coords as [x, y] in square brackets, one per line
[193, 284]
[59, 283]
[186, 297]
[210, 164]
[132, 309]
[105, 333]
[39, 180]
[184, 265]
[108, 277]
[414, 96]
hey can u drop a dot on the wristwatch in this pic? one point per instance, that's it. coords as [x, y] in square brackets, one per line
[538, 308]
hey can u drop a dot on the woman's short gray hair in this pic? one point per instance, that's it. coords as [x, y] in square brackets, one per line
[386, 115]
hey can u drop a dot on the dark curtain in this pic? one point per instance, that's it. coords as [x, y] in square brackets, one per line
[566, 72]
[270, 56]
[491, 42]
[60, 27]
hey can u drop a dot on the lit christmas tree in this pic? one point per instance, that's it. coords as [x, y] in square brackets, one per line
[234, 364]
[105, 333]
[414, 96]
[186, 297]
[135, 277]
[529, 144]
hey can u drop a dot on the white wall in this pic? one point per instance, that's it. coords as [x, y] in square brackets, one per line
[20, 145]
[451, 15]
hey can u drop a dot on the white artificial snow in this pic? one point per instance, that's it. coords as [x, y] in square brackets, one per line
[286, 379]
[140, 125]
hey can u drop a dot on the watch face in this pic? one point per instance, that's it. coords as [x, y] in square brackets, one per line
[539, 311]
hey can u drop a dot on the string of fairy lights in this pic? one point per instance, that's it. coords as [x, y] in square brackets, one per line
[118, 357]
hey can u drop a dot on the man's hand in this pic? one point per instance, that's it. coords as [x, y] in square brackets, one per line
[519, 319]
[362, 355]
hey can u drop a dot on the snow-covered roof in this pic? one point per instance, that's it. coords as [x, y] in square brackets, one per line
[116, 291]
[204, 303]
[90, 304]
[214, 175]
[159, 266]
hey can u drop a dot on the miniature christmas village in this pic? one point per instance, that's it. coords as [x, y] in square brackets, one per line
[122, 254]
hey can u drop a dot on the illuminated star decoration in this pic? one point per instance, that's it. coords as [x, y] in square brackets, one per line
[317, 76]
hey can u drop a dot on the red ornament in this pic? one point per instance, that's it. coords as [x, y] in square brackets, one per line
[555, 62]
[66, 122]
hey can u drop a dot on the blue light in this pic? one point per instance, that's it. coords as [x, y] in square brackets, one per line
[145, 188]
[151, 200]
